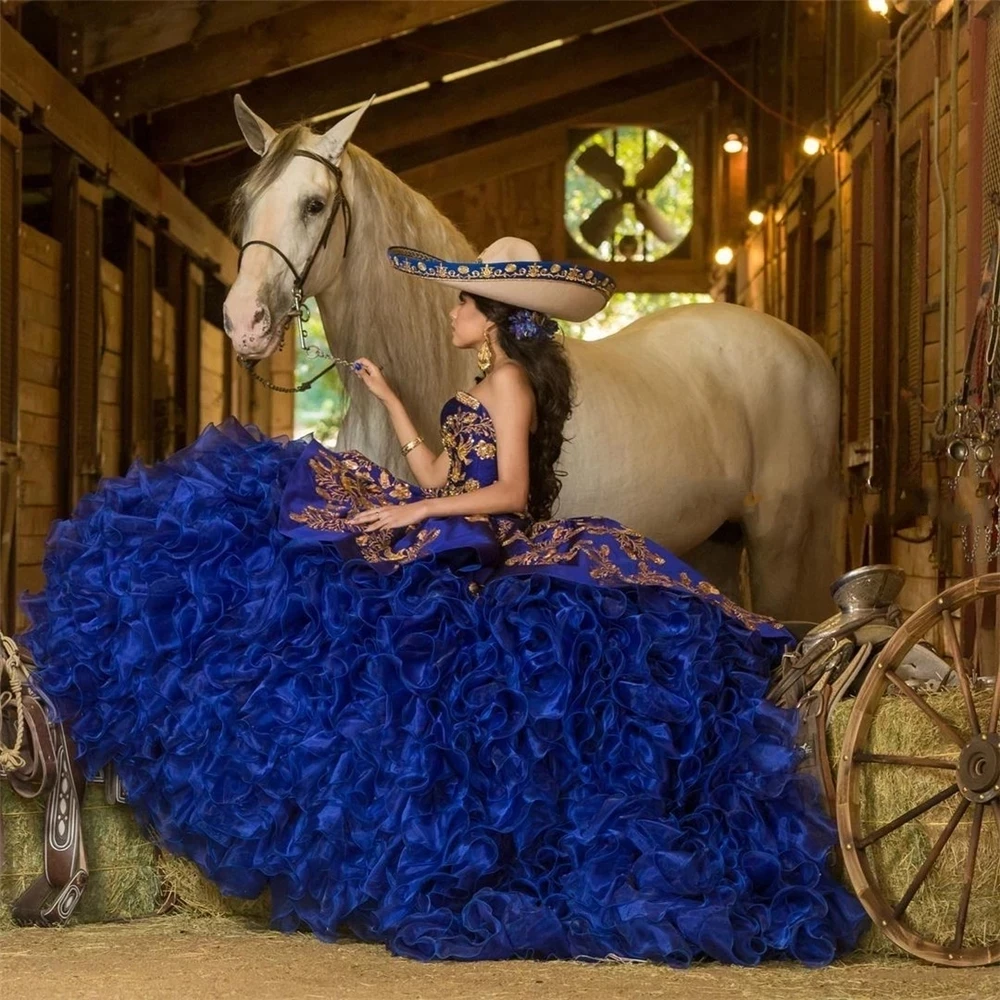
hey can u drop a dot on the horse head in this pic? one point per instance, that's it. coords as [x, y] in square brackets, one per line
[286, 213]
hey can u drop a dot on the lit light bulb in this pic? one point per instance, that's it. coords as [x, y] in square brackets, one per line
[734, 143]
[878, 7]
[724, 256]
[756, 216]
[811, 145]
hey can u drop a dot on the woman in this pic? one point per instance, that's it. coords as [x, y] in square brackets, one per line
[428, 713]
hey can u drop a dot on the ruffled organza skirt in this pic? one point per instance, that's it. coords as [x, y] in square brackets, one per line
[543, 769]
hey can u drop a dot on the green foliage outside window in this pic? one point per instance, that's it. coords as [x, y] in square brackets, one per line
[625, 308]
[321, 408]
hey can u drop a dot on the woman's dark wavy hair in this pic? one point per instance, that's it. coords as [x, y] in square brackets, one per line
[544, 359]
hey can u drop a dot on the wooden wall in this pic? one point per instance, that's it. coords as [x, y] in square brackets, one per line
[859, 267]
[38, 402]
[526, 202]
[224, 388]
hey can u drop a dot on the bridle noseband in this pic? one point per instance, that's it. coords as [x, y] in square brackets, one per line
[299, 309]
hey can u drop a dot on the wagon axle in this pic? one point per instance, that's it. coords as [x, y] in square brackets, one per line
[979, 768]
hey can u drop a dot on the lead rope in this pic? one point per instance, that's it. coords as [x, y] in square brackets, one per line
[10, 757]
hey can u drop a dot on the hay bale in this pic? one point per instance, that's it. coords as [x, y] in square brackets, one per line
[129, 875]
[189, 891]
[124, 881]
[887, 791]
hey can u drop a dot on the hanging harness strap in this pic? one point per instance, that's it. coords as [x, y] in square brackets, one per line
[38, 758]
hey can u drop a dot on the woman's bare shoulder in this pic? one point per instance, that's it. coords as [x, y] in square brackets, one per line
[510, 378]
[508, 391]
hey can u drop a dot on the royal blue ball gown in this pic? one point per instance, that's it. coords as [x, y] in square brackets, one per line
[478, 738]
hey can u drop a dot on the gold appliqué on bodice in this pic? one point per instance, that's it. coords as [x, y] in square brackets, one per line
[464, 434]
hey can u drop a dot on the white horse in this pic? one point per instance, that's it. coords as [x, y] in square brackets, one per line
[687, 419]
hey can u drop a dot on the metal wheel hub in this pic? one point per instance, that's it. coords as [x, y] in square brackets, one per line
[979, 768]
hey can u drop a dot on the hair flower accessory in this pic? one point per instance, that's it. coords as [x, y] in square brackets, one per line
[527, 324]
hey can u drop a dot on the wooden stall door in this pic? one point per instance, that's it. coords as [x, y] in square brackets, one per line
[137, 347]
[81, 324]
[10, 251]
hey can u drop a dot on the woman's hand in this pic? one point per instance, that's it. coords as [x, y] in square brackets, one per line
[391, 515]
[371, 375]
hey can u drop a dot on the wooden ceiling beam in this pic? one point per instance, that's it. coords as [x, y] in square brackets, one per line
[208, 124]
[672, 110]
[58, 108]
[589, 103]
[589, 61]
[129, 30]
[213, 184]
[279, 43]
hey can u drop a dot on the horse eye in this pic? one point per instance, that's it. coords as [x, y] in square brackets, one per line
[314, 206]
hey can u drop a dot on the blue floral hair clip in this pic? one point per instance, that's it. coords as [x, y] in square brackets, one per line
[526, 324]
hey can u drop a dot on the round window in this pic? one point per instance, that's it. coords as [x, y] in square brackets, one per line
[629, 194]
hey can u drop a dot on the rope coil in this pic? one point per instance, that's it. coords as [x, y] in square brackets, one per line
[11, 668]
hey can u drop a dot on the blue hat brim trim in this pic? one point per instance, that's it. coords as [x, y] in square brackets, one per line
[425, 266]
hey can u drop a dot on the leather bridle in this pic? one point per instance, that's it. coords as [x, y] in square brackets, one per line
[299, 309]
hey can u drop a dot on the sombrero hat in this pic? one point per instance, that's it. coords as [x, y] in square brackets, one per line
[511, 271]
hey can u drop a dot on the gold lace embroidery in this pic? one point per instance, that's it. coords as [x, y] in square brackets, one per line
[467, 397]
[553, 542]
[466, 433]
[348, 482]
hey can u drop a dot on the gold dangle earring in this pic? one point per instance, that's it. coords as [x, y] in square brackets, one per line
[485, 355]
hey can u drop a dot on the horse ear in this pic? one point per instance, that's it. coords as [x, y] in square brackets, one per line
[256, 131]
[338, 136]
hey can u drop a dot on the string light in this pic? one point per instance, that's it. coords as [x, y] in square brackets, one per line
[756, 216]
[734, 143]
[878, 7]
[724, 256]
[811, 145]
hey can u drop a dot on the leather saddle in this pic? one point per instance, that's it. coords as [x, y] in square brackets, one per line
[831, 660]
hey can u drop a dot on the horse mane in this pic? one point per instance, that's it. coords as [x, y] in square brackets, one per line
[386, 212]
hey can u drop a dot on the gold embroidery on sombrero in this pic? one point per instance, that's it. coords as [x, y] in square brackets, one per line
[427, 267]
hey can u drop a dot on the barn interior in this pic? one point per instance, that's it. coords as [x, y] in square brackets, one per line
[833, 163]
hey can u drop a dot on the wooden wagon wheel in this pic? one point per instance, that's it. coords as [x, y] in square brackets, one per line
[970, 779]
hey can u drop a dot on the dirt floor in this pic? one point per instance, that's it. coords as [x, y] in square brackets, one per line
[183, 958]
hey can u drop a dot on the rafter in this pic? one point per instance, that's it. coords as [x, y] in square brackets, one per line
[551, 76]
[589, 103]
[308, 92]
[272, 46]
[128, 30]
[31, 82]
[671, 109]
[213, 184]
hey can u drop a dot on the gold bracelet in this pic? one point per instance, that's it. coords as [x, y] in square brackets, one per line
[410, 445]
